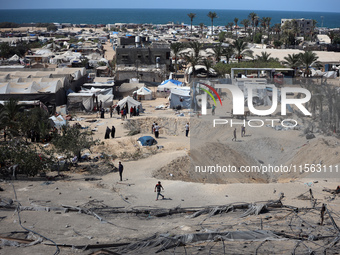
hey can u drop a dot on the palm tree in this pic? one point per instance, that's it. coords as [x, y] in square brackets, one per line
[218, 52]
[331, 36]
[307, 59]
[201, 26]
[9, 116]
[245, 23]
[268, 19]
[193, 60]
[265, 57]
[208, 64]
[293, 61]
[277, 29]
[230, 25]
[176, 48]
[241, 49]
[196, 47]
[191, 16]
[235, 21]
[212, 16]
[252, 16]
[263, 23]
[228, 52]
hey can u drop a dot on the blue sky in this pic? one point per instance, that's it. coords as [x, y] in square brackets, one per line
[284, 5]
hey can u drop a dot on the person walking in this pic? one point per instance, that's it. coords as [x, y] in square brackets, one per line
[156, 130]
[111, 111]
[159, 187]
[234, 139]
[120, 169]
[243, 131]
[213, 110]
[187, 129]
[153, 127]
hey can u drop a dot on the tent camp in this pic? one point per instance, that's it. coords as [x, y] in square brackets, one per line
[146, 141]
[143, 93]
[180, 97]
[129, 101]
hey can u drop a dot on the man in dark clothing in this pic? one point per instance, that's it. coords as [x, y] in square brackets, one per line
[113, 131]
[120, 169]
[158, 187]
[118, 109]
[243, 131]
[234, 135]
[102, 111]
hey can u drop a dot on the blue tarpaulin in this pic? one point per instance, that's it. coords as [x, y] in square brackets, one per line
[147, 140]
[178, 83]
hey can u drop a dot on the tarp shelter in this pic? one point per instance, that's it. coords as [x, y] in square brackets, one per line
[147, 141]
[180, 97]
[130, 102]
[80, 101]
[144, 93]
[168, 85]
[58, 121]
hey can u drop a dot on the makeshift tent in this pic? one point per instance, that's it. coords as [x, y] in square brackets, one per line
[129, 101]
[146, 141]
[168, 85]
[58, 121]
[80, 101]
[180, 97]
[144, 93]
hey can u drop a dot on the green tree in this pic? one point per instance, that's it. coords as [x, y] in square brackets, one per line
[241, 48]
[293, 61]
[307, 59]
[51, 28]
[191, 16]
[218, 52]
[201, 27]
[196, 47]
[265, 57]
[245, 23]
[228, 52]
[212, 16]
[9, 117]
[252, 17]
[331, 35]
[176, 48]
[235, 21]
[72, 141]
[221, 36]
[208, 65]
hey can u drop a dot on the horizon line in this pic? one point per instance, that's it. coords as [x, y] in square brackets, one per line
[150, 8]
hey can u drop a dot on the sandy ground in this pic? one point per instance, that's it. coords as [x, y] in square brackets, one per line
[137, 188]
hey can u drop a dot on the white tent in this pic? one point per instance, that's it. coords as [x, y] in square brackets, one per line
[144, 93]
[180, 97]
[129, 101]
[83, 101]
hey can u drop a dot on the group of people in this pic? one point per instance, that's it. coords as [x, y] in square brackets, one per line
[134, 111]
[158, 186]
[109, 131]
[243, 133]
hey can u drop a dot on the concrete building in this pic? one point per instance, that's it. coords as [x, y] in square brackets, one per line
[305, 25]
[146, 62]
